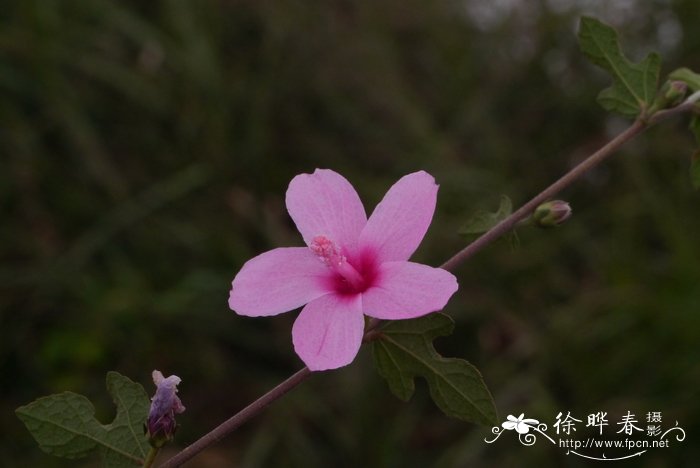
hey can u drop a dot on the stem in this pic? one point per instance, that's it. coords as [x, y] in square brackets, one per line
[524, 211]
[151, 457]
[567, 179]
[237, 419]
[494, 233]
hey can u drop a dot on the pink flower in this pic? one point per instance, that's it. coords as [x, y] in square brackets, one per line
[352, 266]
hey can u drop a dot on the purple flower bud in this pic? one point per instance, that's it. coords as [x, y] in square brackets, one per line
[161, 425]
[551, 213]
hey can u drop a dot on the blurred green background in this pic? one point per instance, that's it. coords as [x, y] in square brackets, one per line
[146, 149]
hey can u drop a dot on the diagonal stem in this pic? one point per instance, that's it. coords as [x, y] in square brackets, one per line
[563, 182]
[524, 211]
[494, 233]
[232, 423]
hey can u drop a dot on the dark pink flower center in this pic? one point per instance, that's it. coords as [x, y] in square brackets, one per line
[350, 275]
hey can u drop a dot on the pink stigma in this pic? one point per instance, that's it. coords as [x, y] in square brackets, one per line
[331, 256]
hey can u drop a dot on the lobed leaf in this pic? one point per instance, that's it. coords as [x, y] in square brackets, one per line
[405, 351]
[64, 424]
[692, 79]
[695, 170]
[634, 85]
[695, 127]
[482, 221]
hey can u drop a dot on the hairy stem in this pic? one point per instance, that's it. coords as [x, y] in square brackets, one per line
[494, 233]
[237, 419]
[567, 179]
[524, 211]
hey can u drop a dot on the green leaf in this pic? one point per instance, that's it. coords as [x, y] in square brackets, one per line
[64, 424]
[634, 85]
[482, 221]
[689, 77]
[405, 351]
[695, 127]
[695, 170]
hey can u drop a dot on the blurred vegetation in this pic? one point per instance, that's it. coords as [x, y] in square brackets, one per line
[146, 148]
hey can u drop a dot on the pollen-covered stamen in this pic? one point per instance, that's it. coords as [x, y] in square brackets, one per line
[332, 257]
[326, 251]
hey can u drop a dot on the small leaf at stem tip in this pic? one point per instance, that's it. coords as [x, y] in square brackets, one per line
[634, 85]
[687, 76]
[695, 170]
[482, 221]
[64, 424]
[405, 351]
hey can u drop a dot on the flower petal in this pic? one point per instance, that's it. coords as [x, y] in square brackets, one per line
[328, 332]
[509, 425]
[325, 204]
[278, 281]
[408, 290]
[401, 219]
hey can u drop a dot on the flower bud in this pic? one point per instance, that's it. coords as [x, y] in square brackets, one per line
[551, 213]
[161, 425]
[676, 92]
[670, 95]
